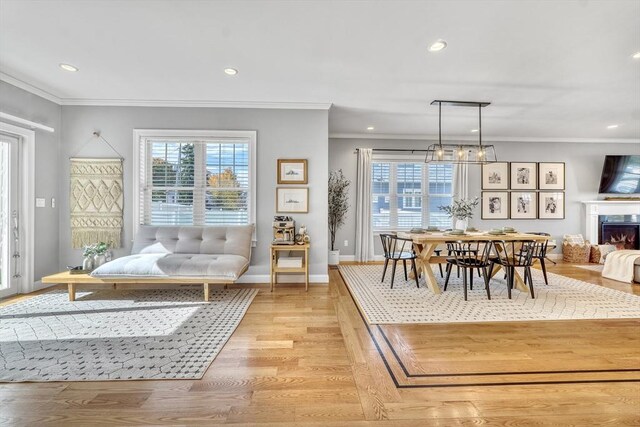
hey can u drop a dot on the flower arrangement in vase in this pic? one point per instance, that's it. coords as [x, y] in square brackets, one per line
[461, 210]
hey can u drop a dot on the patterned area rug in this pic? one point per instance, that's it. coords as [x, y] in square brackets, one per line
[117, 335]
[564, 298]
[592, 267]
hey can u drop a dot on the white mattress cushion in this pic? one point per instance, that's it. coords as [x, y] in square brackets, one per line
[223, 267]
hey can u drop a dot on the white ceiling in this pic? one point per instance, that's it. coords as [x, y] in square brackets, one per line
[560, 69]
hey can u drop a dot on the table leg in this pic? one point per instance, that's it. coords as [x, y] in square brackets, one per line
[417, 247]
[206, 292]
[72, 291]
[306, 269]
[429, 277]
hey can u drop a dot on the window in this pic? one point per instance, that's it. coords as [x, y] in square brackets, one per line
[406, 194]
[196, 177]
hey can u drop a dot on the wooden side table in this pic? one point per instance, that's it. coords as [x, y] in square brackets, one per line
[275, 254]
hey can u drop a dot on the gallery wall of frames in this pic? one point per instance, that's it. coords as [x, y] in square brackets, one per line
[523, 190]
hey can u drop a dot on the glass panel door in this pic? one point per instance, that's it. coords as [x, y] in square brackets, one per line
[9, 217]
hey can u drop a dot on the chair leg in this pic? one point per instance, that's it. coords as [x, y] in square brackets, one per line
[509, 282]
[441, 273]
[486, 281]
[528, 271]
[464, 282]
[384, 270]
[393, 272]
[415, 272]
[446, 281]
[544, 271]
[404, 264]
[458, 271]
[471, 278]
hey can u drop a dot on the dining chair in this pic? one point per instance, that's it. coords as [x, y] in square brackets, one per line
[398, 249]
[512, 254]
[540, 253]
[450, 250]
[469, 255]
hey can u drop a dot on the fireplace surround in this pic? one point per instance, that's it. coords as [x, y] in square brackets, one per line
[610, 216]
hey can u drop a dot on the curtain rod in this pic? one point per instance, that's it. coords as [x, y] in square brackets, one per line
[32, 125]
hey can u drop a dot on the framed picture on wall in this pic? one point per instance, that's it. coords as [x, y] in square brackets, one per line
[292, 200]
[524, 176]
[495, 205]
[551, 176]
[292, 171]
[524, 205]
[551, 205]
[495, 176]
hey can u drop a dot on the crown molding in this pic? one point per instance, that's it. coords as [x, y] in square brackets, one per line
[465, 138]
[195, 103]
[162, 103]
[29, 88]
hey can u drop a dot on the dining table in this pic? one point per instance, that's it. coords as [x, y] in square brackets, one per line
[426, 243]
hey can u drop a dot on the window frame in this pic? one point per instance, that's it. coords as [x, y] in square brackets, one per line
[140, 164]
[395, 159]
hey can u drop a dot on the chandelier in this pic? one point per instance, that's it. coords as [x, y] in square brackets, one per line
[460, 153]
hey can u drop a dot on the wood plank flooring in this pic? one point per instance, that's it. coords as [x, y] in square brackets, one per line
[307, 359]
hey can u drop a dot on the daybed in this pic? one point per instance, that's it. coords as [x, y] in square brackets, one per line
[177, 255]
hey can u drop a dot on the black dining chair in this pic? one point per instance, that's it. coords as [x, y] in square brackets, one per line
[540, 253]
[469, 255]
[398, 249]
[512, 254]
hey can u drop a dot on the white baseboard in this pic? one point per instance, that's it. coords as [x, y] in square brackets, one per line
[283, 278]
[554, 256]
[39, 286]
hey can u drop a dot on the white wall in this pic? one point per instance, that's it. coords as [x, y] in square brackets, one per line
[583, 166]
[26, 105]
[281, 134]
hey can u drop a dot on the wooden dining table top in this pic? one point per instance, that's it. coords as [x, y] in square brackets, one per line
[441, 236]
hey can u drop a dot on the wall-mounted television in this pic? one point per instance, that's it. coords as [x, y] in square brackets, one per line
[620, 175]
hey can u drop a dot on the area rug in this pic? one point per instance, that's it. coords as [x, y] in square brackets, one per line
[117, 335]
[591, 267]
[564, 298]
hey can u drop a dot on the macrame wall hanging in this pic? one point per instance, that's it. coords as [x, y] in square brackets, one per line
[96, 200]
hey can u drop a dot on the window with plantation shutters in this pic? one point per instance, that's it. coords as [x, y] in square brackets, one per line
[406, 193]
[196, 177]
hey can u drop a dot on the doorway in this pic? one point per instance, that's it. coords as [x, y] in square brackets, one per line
[10, 262]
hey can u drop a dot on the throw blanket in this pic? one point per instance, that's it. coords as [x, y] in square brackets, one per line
[619, 265]
[96, 201]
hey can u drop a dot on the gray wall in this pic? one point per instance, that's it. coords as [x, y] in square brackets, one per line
[28, 106]
[281, 134]
[583, 167]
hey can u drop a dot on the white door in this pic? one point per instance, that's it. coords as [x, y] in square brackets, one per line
[10, 262]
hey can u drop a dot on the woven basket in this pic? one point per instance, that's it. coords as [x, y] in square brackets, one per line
[576, 253]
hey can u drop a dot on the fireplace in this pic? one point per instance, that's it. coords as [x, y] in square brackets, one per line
[620, 230]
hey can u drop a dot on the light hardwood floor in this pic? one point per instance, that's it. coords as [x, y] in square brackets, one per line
[308, 358]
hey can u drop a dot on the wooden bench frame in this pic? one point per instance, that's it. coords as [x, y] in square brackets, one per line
[71, 280]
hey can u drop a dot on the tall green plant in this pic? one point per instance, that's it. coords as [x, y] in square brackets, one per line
[338, 203]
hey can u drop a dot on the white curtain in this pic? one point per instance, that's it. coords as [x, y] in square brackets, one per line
[460, 181]
[364, 229]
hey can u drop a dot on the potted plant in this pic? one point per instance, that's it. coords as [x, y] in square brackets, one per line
[87, 254]
[461, 210]
[100, 254]
[338, 207]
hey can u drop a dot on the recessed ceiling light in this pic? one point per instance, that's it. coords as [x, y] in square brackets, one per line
[438, 46]
[231, 71]
[370, 128]
[474, 130]
[636, 55]
[612, 126]
[69, 67]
